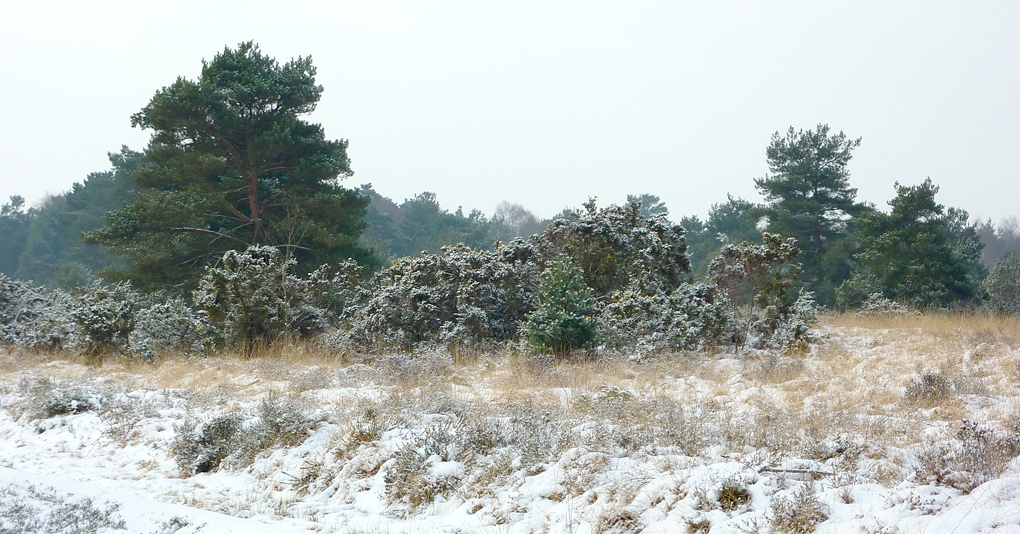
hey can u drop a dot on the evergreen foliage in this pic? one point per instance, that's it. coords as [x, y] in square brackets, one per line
[1003, 285]
[564, 319]
[761, 283]
[918, 253]
[808, 195]
[233, 165]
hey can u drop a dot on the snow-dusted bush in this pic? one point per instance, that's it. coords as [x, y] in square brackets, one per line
[759, 281]
[692, 316]
[46, 398]
[44, 511]
[253, 299]
[565, 316]
[169, 327]
[34, 318]
[104, 316]
[1003, 285]
[617, 246]
[459, 296]
[876, 304]
[201, 447]
[974, 457]
[800, 513]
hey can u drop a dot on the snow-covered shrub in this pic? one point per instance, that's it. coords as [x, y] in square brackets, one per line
[104, 316]
[416, 477]
[799, 514]
[200, 448]
[930, 389]
[459, 296]
[793, 331]
[169, 327]
[733, 494]
[44, 511]
[254, 299]
[34, 318]
[236, 439]
[616, 246]
[46, 398]
[974, 457]
[876, 304]
[1003, 285]
[759, 281]
[690, 317]
[565, 316]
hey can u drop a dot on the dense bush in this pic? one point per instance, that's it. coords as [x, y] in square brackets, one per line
[1003, 285]
[458, 296]
[760, 281]
[693, 316]
[170, 326]
[34, 318]
[104, 317]
[253, 299]
[617, 246]
[565, 316]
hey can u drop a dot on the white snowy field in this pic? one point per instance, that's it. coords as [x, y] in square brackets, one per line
[896, 425]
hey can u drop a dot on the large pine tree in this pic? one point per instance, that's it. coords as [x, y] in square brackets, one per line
[232, 165]
[808, 194]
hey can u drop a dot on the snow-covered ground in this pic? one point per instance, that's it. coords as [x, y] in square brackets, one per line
[861, 435]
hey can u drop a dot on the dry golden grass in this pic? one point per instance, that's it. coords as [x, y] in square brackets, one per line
[854, 381]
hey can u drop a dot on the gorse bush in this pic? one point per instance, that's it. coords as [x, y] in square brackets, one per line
[760, 281]
[170, 326]
[612, 275]
[104, 316]
[616, 246]
[692, 316]
[457, 296]
[253, 299]
[34, 318]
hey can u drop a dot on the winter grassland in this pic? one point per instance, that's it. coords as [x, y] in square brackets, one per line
[905, 424]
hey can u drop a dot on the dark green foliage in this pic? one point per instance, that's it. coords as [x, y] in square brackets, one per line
[426, 227]
[1003, 285]
[565, 315]
[14, 224]
[734, 221]
[651, 205]
[233, 165]
[918, 253]
[808, 195]
[616, 246]
[54, 252]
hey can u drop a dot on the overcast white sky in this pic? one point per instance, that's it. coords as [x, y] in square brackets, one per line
[547, 103]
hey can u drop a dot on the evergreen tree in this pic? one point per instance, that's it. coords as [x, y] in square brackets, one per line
[14, 223]
[918, 253]
[232, 165]
[808, 195]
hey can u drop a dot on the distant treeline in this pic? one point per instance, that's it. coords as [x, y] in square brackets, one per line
[44, 243]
